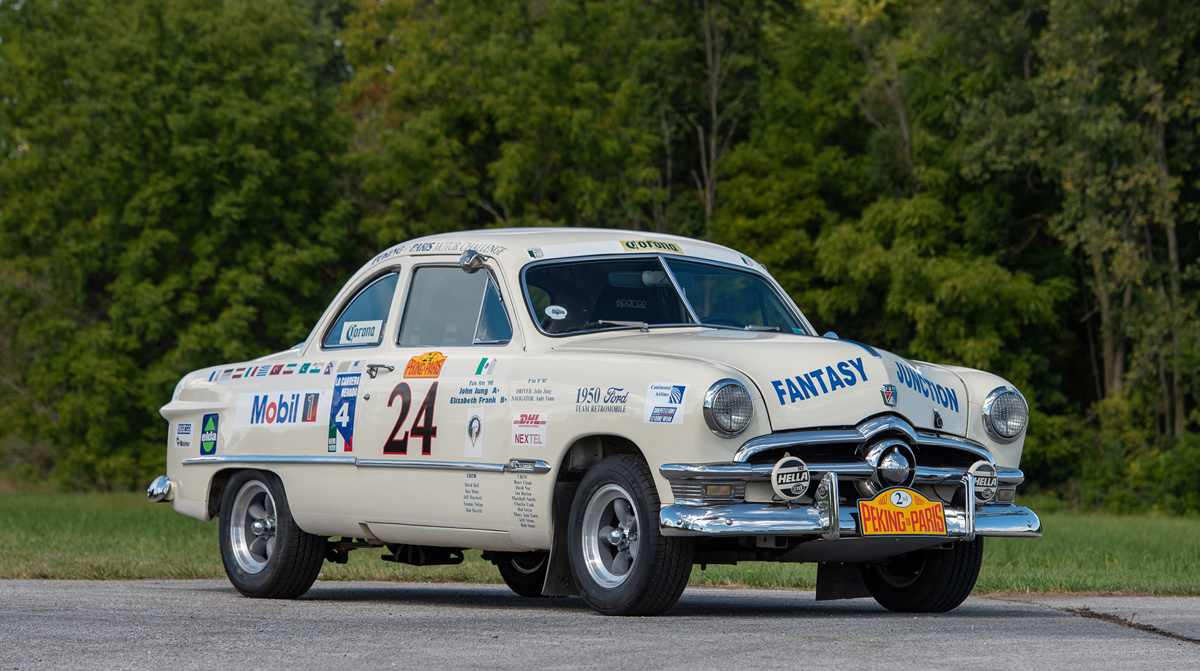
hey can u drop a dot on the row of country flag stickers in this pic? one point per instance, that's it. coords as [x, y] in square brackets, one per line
[318, 368]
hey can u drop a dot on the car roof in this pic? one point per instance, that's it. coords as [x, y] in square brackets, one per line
[515, 247]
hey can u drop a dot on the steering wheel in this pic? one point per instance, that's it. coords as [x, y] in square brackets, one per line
[723, 320]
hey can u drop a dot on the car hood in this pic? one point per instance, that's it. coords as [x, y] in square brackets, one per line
[808, 381]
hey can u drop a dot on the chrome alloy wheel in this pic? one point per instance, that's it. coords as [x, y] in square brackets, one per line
[610, 536]
[252, 527]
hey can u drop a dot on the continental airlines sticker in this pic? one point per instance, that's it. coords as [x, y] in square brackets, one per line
[428, 364]
[650, 246]
[900, 511]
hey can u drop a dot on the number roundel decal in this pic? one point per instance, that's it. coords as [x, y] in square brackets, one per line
[422, 426]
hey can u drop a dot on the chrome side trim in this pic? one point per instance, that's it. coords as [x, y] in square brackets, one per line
[267, 459]
[430, 465]
[536, 466]
[757, 519]
[863, 433]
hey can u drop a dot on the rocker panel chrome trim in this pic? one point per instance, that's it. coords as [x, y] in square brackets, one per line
[267, 459]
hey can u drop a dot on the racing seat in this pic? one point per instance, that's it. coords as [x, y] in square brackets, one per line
[631, 304]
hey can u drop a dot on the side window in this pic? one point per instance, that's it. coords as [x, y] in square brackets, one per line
[446, 306]
[493, 322]
[364, 319]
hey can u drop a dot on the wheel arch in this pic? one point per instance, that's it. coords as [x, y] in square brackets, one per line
[584, 452]
[218, 483]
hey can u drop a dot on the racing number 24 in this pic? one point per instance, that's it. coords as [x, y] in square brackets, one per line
[422, 424]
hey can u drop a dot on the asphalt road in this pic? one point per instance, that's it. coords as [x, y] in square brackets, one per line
[205, 624]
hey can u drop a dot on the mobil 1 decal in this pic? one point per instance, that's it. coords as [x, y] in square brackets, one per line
[341, 412]
[296, 408]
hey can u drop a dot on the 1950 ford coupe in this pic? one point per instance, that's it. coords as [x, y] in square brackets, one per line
[597, 411]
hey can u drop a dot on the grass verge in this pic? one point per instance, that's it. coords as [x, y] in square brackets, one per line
[121, 537]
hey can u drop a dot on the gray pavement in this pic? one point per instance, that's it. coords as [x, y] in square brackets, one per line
[206, 624]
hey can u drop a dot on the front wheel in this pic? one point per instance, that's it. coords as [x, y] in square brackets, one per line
[265, 554]
[622, 565]
[926, 581]
[523, 572]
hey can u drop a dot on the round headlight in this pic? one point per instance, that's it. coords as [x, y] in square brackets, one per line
[727, 408]
[1005, 414]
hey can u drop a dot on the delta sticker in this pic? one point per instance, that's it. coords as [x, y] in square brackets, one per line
[529, 429]
[341, 412]
[664, 403]
[208, 433]
[650, 246]
[428, 364]
[473, 447]
[901, 511]
[183, 435]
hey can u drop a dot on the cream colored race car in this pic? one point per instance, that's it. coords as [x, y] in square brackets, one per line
[597, 411]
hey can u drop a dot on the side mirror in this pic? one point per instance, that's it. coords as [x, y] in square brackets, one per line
[471, 261]
[830, 334]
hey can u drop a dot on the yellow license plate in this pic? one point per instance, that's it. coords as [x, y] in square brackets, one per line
[900, 511]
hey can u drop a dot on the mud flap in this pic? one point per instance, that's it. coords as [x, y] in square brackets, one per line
[558, 572]
[840, 581]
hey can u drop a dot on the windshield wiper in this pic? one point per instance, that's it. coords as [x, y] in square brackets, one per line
[610, 322]
[762, 328]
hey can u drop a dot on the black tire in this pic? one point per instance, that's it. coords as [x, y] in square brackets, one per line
[926, 581]
[622, 565]
[523, 572]
[265, 554]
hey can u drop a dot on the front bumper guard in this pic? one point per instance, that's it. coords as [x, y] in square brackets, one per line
[769, 519]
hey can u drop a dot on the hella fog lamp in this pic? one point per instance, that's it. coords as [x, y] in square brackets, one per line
[1005, 414]
[727, 408]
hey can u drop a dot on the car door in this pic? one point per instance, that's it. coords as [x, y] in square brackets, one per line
[432, 432]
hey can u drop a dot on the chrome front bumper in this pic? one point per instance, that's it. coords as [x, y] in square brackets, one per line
[757, 519]
[698, 511]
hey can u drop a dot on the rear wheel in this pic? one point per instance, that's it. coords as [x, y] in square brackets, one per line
[622, 565]
[265, 554]
[926, 581]
[523, 572]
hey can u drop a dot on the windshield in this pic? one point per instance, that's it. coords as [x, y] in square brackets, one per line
[585, 295]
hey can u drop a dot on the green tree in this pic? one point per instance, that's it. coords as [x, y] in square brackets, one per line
[166, 203]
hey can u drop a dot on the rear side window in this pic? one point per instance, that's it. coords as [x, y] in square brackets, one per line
[364, 319]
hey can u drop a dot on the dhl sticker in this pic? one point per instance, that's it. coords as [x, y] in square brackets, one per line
[900, 511]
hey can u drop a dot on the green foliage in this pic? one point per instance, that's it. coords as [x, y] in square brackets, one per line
[167, 203]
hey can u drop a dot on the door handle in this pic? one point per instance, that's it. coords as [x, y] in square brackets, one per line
[373, 369]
